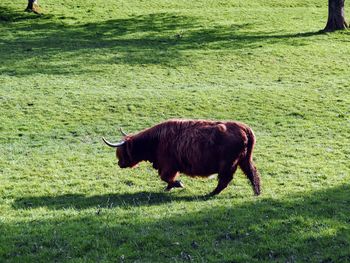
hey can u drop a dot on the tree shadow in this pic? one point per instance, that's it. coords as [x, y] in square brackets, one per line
[79, 201]
[312, 227]
[160, 38]
[8, 15]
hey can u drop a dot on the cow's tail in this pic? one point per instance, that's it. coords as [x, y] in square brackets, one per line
[246, 162]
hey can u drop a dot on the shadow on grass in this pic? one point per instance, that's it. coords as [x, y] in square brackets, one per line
[158, 38]
[77, 201]
[8, 15]
[312, 227]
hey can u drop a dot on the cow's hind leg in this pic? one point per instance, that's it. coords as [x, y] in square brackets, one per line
[169, 177]
[248, 167]
[225, 177]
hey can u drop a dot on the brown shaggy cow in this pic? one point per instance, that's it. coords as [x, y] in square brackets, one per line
[192, 147]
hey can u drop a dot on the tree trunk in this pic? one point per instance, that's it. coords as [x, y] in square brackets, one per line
[336, 17]
[32, 6]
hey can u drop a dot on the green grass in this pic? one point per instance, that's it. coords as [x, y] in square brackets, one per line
[85, 68]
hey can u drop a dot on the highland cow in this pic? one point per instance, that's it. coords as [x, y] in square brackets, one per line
[193, 147]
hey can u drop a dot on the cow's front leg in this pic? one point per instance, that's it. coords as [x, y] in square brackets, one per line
[169, 177]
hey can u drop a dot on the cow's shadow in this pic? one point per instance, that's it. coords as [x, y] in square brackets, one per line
[80, 201]
[305, 226]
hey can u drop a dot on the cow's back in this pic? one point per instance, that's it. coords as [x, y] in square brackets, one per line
[201, 147]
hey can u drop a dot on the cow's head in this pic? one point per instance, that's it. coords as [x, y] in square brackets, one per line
[124, 151]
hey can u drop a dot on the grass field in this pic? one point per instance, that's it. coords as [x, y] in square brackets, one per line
[85, 68]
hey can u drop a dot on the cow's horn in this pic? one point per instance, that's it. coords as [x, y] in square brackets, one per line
[118, 144]
[123, 132]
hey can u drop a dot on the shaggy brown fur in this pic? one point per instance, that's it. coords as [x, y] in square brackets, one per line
[195, 148]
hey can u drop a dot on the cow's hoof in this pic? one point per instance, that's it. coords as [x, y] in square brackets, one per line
[168, 188]
[211, 194]
[176, 184]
